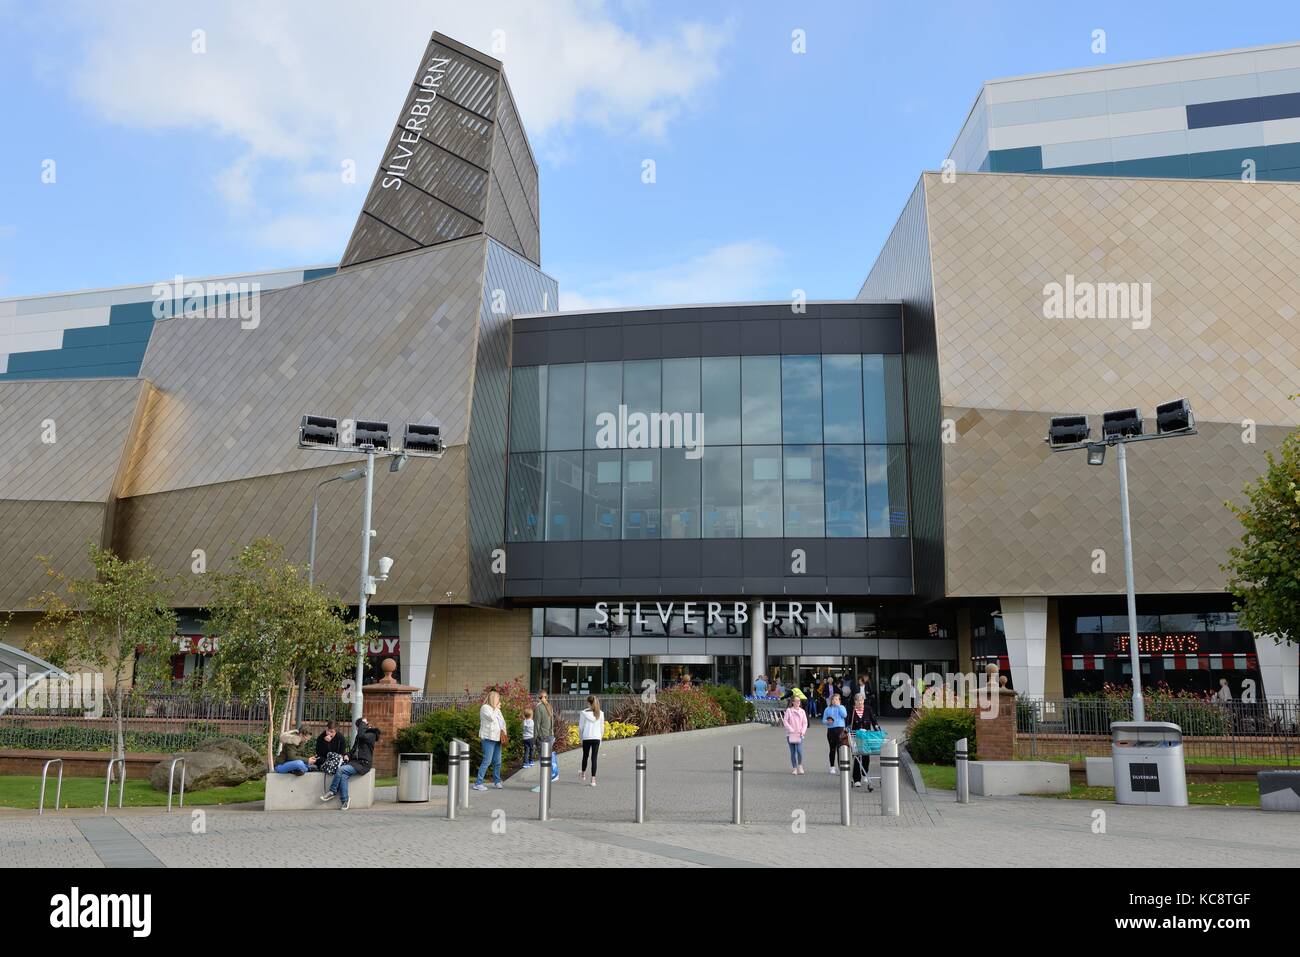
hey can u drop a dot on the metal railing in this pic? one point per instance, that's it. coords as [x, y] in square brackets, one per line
[58, 790]
[1231, 732]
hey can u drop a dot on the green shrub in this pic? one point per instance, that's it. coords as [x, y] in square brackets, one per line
[434, 731]
[735, 709]
[933, 733]
[691, 708]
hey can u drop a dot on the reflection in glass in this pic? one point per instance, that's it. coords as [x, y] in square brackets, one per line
[641, 494]
[886, 468]
[720, 395]
[681, 385]
[720, 506]
[604, 495]
[561, 622]
[760, 393]
[804, 506]
[641, 386]
[681, 495]
[846, 492]
[604, 394]
[563, 496]
[882, 394]
[564, 406]
[842, 399]
[761, 468]
[525, 497]
[528, 409]
[801, 400]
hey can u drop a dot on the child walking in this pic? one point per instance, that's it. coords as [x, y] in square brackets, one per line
[529, 727]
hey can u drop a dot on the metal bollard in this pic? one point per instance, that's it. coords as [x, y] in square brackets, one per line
[738, 785]
[108, 781]
[846, 812]
[171, 779]
[466, 772]
[963, 772]
[639, 817]
[889, 766]
[454, 771]
[544, 784]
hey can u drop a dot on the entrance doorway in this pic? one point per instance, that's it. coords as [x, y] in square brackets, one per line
[577, 677]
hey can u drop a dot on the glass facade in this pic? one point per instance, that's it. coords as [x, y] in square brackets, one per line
[797, 446]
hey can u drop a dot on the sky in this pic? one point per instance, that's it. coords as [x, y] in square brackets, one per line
[774, 170]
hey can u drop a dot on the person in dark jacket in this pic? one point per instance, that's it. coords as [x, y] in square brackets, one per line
[357, 761]
[861, 718]
[330, 741]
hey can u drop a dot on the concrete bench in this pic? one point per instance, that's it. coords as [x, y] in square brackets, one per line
[293, 792]
[989, 778]
[1100, 772]
[1279, 790]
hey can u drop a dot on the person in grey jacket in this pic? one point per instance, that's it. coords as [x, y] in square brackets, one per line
[544, 719]
[359, 760]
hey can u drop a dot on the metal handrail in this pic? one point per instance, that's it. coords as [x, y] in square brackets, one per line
[58, 790]
[108, 782]
[171, 775]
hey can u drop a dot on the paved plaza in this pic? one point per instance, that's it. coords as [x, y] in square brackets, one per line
[689, 806]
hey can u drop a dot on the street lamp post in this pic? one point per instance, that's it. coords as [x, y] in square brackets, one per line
[322, 434]
[1119, 428]
[349, 476]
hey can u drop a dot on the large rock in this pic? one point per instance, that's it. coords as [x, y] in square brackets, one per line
[253, 761]
[203, 769]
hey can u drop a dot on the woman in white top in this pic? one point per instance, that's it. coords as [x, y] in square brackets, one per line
[591, 728]
[492, 733]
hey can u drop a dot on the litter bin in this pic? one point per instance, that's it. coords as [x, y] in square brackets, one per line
[414, 775]
[1148, 759]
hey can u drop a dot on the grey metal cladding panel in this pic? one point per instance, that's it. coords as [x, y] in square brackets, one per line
[522, 215]
[371, 240]
[388, 340]
[58, 530]
[521, 155]
[456, 129]
[427, 220]
[467, 82]
[419, 515]
[499, 224]
[903, 272]
[523, 288]
[440, 173]
[91, 422]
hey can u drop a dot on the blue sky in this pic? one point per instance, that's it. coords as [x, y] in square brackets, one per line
[774, 171]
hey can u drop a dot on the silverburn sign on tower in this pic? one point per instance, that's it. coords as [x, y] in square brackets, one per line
[421, 104]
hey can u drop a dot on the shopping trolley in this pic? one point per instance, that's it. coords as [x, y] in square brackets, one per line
[865, 744]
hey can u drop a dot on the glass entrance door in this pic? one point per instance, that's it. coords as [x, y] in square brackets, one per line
[576, 677]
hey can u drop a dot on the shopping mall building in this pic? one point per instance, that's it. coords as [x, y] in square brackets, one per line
[719, 490]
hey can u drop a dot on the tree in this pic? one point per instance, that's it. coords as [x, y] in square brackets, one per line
[1264, 571]
[120, 620]
[271, 626]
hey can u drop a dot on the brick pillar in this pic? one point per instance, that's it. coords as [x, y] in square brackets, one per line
[388, 708]
[995, 737]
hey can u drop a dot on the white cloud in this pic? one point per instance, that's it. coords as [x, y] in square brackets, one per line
[734, 272]
[297, 87]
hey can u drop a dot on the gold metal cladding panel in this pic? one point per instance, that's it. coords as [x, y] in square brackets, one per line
[59, 530]
[1222, 260]
[420, 516]
[1021, 520]
[90, 422]
[392, 340]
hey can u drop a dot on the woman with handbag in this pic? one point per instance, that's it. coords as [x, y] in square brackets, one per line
[795, 720]
[330, 748]
[492, 735]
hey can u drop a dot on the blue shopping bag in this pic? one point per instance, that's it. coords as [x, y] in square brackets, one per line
[555, 766]
[869, 742]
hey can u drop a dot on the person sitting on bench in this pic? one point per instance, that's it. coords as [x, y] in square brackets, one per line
[293, 752]
[357, 761]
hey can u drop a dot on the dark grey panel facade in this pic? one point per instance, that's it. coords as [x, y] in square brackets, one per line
[902, 271]
[510, 284]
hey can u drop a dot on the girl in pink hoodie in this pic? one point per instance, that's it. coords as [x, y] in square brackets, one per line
[796, 726]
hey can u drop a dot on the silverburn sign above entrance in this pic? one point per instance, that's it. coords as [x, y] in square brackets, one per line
[399, 164]
[712, 613]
